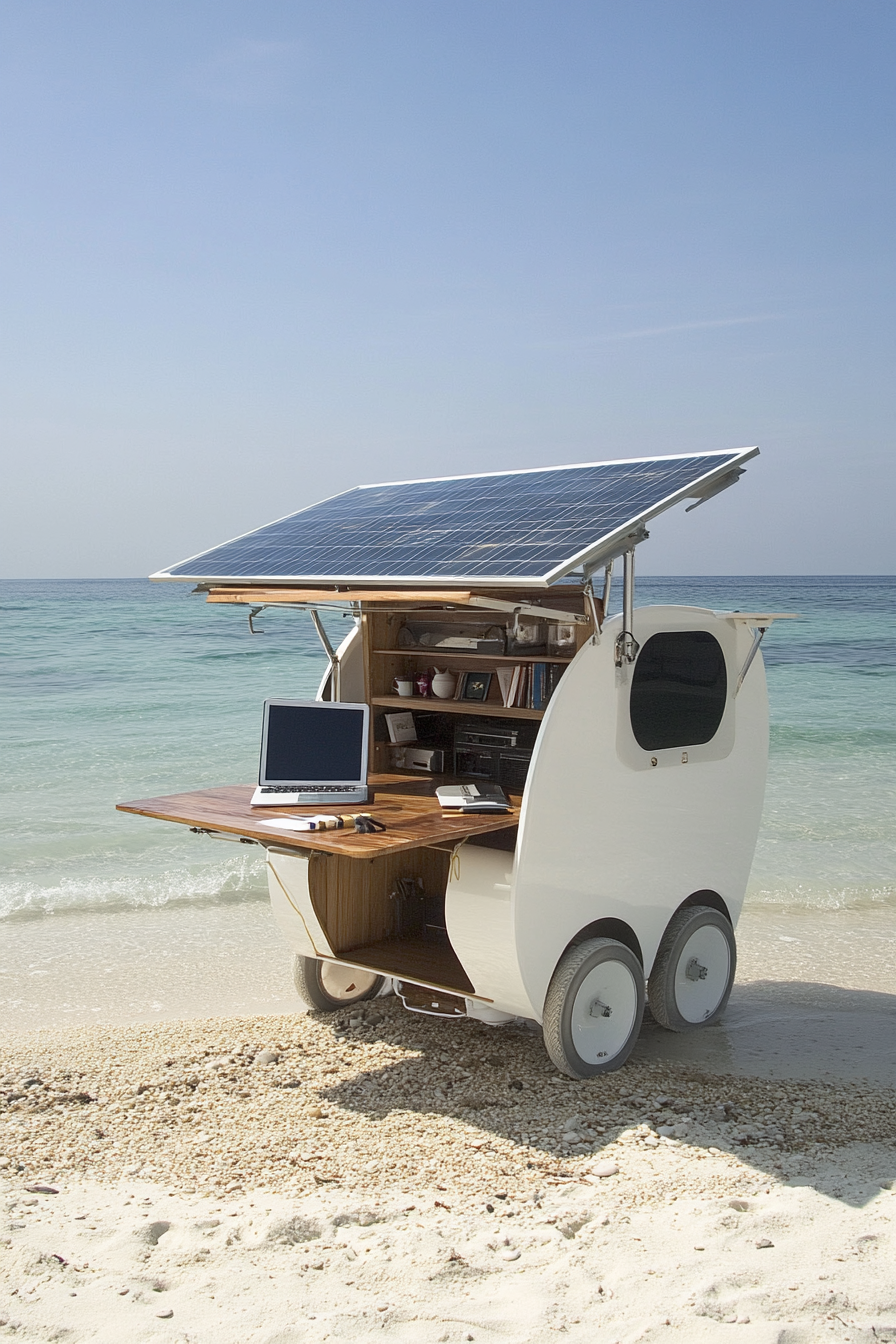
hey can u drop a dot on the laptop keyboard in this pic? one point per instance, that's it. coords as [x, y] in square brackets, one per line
[309, 788]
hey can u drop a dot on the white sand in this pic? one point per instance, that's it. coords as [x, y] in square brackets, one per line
[135, 1262]
[342, 1189]
[283, 1213]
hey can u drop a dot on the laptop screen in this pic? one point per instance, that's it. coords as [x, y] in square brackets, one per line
[313, 742]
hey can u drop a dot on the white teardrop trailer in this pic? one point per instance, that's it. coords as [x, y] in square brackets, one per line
[619, 874]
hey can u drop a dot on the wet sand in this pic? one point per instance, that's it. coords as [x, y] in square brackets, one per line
[179, 961]
[815, 995]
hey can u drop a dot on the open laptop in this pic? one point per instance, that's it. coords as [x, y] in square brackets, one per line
[312, 752]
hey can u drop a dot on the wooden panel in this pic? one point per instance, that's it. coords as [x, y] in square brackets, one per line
[441, 655]
[557, 599]
[395, 596]
[493, 708]
[352, 899]
[405, 803]
[376, 630]
[429, 963]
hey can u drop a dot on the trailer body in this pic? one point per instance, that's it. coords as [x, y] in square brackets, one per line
[633, 748]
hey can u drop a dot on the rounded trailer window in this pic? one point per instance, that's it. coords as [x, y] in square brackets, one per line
[679, 688]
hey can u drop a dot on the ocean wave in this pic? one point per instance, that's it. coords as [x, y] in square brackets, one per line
[238, 877]
[242, 877]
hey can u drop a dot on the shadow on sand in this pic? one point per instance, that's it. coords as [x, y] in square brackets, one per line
[792, 1031]
[797, 1083]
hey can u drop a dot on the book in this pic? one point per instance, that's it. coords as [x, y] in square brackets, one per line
[505, 681]
[481, 797]
[537, 695]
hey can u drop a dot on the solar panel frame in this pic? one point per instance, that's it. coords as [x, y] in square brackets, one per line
[530, 517]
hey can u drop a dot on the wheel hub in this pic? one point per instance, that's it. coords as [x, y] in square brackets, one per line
[345, 984]
[701, 978]
[603, 1011]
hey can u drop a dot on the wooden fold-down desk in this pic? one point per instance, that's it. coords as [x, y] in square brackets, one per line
[405, 804]
[351, 899]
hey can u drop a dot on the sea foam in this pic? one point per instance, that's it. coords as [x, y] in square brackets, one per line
[242, 877]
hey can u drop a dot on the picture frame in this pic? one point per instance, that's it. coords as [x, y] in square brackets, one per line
[475, 685]
[401, 728]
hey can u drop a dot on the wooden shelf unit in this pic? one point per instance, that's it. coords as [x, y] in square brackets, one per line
[384, 660]
[353, 903]
[352, 876]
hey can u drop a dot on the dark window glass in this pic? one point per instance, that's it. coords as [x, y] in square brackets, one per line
[678, 690]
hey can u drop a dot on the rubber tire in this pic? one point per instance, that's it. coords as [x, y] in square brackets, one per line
[572, 969]
[307, 975]
[661, 985]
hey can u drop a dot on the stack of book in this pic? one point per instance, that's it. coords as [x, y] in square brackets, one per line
[529, 685]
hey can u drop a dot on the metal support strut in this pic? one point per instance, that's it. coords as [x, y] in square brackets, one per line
[626, 645]
[754, 649]
[595, 619]
[336, 689]
[608, 584]
[335, 678]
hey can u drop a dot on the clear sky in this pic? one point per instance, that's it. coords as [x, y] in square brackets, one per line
[254, 253]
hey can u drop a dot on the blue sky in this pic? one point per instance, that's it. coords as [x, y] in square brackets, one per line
[254, 253]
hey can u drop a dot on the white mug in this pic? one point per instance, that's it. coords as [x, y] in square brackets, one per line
[403, 686]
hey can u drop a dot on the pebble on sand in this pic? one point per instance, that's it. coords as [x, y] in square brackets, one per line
[602, 1169]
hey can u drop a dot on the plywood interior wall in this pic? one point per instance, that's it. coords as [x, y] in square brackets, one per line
[351, 896]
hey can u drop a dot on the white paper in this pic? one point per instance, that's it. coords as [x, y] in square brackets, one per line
[301, 823]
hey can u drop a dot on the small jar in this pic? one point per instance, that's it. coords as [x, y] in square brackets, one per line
[444, 684]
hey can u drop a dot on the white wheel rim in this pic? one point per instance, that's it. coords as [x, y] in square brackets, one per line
[342, 982]
[603, 1012]
[701, 976]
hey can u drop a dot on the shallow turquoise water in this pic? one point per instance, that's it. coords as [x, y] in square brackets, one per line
[122, 689]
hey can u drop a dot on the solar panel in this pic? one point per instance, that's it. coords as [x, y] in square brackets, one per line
[525, 528]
